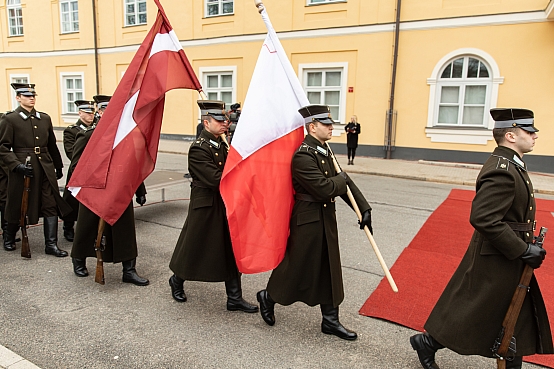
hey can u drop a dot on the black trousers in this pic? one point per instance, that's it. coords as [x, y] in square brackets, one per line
[351, 151]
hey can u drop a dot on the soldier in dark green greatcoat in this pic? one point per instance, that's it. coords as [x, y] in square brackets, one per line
[26, 132]
[121, 240]
[204, 251]
[311, 269]
[86, 111]
[469, 314]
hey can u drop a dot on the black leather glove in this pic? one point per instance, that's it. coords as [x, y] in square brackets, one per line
[533, 256]
[366, 221]
[59, 173]
[23, 170]
[141, 200]
[345, 176]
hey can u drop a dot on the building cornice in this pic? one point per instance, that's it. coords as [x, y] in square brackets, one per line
[459, 22]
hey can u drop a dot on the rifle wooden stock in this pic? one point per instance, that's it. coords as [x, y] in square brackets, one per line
[25, 248]
[366, 230]
[99, 247]
[510, 320]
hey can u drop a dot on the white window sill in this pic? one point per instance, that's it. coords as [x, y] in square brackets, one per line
[70, 117]
[470, 136]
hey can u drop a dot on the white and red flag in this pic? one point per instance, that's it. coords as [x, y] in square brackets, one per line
[123, 149]
[257, 182]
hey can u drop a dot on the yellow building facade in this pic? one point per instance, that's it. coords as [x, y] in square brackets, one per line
[456, 59]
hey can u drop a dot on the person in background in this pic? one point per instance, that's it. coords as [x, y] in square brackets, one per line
[353, 130]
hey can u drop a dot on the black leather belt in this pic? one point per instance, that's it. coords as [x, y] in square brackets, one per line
[521, 227]
[309, 198]
[31, 150]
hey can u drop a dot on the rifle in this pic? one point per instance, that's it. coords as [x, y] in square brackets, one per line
[23, 220]
[99, 246]
[505, 344]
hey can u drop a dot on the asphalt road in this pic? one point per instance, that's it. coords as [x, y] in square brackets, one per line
[57, 320]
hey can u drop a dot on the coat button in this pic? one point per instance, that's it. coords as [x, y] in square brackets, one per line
[527, 234]
[323, 162]
[216, 154]
[527, 182]
[36, 137]
[530, 208]
[324, 205]
[532, 195]
[219, 163]
[36, 127]
[528, 220]
[325, 172]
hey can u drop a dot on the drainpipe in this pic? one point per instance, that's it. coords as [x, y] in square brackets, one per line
[390, 128]
[95, 46]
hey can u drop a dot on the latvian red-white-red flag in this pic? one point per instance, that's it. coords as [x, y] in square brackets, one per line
[123, 149]
[257, 183]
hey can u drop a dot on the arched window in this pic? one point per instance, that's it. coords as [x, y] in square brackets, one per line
[463, 88]
[464, 85]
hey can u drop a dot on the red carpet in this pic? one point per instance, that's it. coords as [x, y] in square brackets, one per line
[424, 268]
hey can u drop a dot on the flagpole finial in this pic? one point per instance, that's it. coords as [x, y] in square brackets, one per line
[259, 5]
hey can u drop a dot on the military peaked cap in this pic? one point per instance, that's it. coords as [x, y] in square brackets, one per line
[514, 117]
[316, 113]
[101, 101]
[84, 105]
[213, 108]
[25, 89]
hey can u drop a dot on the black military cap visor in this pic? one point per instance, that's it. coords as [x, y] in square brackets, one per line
[219, 115]
[101, 101]
[86, 106]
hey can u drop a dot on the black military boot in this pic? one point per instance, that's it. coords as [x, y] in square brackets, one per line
[130, 274]
[267, 307]
[9, 236]
[177, 288]
[79, 267]
[330, 323]
[51, 237]
[68, 231]
[426, 347]
[516, 363]
[234, 297]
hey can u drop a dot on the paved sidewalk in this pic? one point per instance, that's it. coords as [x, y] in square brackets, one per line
[10, 360]
[431, 171]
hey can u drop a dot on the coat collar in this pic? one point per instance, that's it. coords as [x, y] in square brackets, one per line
[316, 145]
[510, 155]
[25, 114]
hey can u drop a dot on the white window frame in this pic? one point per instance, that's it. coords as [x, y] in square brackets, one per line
[220, 7]
[15, 5]
[15, 78]
[305, 68]
[318, 2]
[73, 24]
[206, 71]
[136, 13]
[462, 134]
[69, 116]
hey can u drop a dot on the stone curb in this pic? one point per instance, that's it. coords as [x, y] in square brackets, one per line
[10, 360]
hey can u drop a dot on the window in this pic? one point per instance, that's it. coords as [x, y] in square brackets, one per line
[72, 89]
[219, 85]
[312, 2]
[463, 87]
[17, 78]
[218, 7]
[135, 12]
[15, 18]
[325, 86]
[69, 16]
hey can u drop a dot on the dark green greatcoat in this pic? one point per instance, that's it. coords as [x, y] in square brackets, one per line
[121, 240]
[468, 316]
[69, 135]
[203, 251]
[20, 129]
[311, 269]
